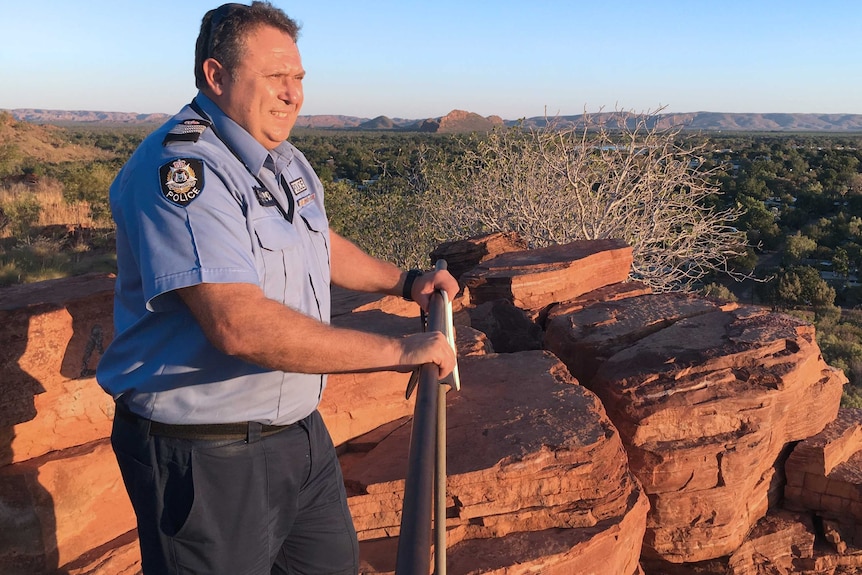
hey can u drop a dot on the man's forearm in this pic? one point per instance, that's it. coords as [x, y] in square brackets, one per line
[298, 343]
[354, 269]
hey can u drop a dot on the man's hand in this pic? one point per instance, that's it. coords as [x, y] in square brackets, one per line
[426, 284]
[429, 347]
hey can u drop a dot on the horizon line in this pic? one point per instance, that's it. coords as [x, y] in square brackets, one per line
[657, 112]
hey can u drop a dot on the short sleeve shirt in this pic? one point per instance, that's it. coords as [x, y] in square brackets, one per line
[201, 201]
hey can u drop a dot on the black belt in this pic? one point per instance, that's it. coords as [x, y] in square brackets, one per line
[248, 430]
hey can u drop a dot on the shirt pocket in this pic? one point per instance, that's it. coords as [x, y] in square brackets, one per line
[314, 217]
[315, 222]
[280, 261]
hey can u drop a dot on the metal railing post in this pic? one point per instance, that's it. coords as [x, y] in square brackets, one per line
[426, 474]
[440, 486]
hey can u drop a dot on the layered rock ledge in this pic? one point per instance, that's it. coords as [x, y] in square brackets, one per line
[537, 475]
[824, 477]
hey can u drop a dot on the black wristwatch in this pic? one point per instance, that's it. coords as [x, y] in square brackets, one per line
[407, 291]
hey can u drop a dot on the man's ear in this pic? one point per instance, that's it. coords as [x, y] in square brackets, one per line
[215, 75]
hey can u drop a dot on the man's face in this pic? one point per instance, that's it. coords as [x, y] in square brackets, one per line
[264, 93]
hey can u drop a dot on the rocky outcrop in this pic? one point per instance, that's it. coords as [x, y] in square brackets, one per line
[824, 476]
[60, 491]
[652, 434]
[459, 121]
[361, 402]
[51, 338]
[463, 255]
[706, 420]
[545, 466]
[378, 123]
[780, 542]
[586, 334]
[534, 279]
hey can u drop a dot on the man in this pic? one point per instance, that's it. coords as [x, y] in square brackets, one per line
[222, 321]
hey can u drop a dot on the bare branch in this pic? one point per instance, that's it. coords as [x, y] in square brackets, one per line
[625, 178]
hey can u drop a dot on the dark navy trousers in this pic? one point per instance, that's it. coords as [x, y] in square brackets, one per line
[267, 505]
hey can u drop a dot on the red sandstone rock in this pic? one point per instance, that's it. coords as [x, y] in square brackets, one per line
[537, 278]
[354, 404]
[463, 255]
[705, 407]
[469, 342]
[61, 506]
[820, 454]
[609, 293]
[121, 556]
[775, 545]
[824, 475]
[536, 475]
[345, 301]
[586, 337]
[508, 328]
[593, 551]
[51, 337]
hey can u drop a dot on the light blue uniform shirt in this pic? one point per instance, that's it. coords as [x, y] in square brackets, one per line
[209, 204]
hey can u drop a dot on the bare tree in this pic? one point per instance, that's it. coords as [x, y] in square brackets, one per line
[625, 177]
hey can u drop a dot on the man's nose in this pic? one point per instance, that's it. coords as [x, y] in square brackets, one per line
[292, 91]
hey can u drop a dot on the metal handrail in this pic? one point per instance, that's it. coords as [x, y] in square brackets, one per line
[428, 436]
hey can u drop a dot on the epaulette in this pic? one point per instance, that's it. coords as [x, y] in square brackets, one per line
[186, 131]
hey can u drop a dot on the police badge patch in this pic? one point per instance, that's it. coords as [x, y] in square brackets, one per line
[182, 180]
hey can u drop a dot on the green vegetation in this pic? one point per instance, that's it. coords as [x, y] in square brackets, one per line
[89, 184]
[54, 214]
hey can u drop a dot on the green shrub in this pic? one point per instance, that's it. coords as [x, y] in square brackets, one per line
[23, 213]
[89, 183]
[384, 221]
[719, 292]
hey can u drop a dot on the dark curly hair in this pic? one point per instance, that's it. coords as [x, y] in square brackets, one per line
[224, 29]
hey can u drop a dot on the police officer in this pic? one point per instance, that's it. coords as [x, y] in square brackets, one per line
[222, 326]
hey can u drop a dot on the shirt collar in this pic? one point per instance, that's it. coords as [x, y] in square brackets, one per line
[243, 144]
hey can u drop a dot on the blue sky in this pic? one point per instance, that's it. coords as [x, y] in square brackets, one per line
[411, 59]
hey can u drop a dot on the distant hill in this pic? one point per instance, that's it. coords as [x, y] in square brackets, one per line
[730, 122]
[378, 123]
[44, 143]
[455, 122]
[770, 122]
[61, 117]
[459, 121]
[329, 121]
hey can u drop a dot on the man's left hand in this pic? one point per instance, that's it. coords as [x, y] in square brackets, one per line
[426, 284]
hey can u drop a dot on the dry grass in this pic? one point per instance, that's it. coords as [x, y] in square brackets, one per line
[48, 194]
[30, 251]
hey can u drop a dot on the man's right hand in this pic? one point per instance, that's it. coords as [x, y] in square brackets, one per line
[428, 347]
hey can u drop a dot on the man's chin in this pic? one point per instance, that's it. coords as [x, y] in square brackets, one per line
[276, 137]
[283, 127]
